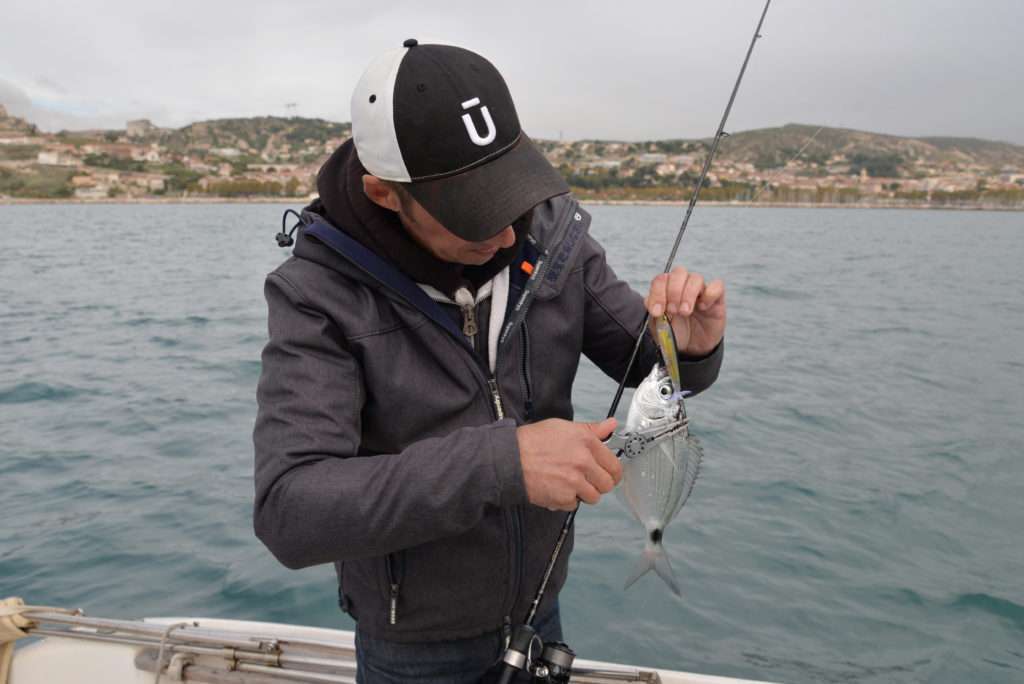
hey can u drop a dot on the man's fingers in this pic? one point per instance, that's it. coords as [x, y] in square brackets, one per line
[605, 461]
[600, 478]
[681, 292]
[602, 430]
[694, 286]
[674, 290]
[587, 493]
[713, 293]
[658, 295]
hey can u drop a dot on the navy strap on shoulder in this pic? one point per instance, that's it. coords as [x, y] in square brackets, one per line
[385, 273]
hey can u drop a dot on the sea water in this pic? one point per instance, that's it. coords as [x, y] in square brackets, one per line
[858, 515]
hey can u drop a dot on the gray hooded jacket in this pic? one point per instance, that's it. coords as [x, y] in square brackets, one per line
[385, 445]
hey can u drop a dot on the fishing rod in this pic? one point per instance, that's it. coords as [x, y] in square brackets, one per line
[524, 636]
[719, 136]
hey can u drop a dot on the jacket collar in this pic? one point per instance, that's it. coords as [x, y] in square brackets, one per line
[556, 231]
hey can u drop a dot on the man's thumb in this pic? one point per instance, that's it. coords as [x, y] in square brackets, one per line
[603, 429]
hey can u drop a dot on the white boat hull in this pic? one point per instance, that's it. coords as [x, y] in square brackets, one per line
[82, 658]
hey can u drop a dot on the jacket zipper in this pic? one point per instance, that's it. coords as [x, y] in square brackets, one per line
[525, 368]
[470, 329]
[517, 513]
[394, 584]
[498, 408]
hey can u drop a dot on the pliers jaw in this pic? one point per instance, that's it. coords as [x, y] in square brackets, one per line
[634, 444]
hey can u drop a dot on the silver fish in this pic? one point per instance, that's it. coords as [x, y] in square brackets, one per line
[660, 463]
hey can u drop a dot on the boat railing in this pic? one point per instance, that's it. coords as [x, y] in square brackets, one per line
[187, 651]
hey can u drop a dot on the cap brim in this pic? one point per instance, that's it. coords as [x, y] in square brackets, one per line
[479, 203]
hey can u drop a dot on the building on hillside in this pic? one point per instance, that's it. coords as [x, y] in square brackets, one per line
[197, 165]
[3, 112]
[8, 137]
[606, 164]
[150, 154]
[115, 150]
[89, 187]
[96, 191]
[666, 169]
[139, 128]
[57, 158]
[107, 177]
[652, 158]
[152, 182]
[284, 169]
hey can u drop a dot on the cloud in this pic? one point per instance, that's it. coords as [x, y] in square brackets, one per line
[50, 85]
[643, 69]
[58, 113]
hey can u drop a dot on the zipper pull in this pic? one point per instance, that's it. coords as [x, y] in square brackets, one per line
[393, 606]
[465, 301]
[498, 408]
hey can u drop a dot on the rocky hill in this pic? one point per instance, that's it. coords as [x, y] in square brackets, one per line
[771, 147]
[279, 156]
[266, 137]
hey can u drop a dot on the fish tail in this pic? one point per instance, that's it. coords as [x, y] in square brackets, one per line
[654, 558]
[664, 570]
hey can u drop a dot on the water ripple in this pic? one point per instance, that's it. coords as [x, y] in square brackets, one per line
[26, 392]
[856, 518]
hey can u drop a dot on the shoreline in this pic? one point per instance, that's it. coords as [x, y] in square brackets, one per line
[302, 201]
[810, 205]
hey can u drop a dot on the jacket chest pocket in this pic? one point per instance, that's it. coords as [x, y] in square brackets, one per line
[550, 344]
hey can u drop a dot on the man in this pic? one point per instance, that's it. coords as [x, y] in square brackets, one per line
[415, 409]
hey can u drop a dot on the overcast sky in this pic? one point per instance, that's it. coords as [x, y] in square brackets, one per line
[628, 69]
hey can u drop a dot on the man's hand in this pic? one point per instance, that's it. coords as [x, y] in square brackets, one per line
[564, 461]
[697, 310]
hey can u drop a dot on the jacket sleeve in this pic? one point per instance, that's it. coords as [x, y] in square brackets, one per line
[614, 313]
[318, 501]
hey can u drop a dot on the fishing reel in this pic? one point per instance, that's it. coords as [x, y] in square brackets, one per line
[549, 663]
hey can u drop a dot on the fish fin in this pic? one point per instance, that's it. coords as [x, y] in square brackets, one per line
[664, 570]
[654, 558]
[643, 566]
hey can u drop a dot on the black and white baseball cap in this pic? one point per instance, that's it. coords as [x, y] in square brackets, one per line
[441, 119]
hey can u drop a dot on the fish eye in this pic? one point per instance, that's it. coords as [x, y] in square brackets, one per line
[665, 390]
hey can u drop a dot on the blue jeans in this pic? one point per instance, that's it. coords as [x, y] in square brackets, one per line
[461, 661]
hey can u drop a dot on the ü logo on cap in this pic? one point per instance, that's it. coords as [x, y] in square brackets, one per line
[474, 135]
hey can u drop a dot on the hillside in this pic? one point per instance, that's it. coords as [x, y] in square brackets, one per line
[267, 137]
[280, 156]
[770, 147]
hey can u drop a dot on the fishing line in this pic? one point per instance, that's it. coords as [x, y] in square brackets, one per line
[788, 162]
[719, 135]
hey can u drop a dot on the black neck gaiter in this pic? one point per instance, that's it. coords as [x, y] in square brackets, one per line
[346, 206]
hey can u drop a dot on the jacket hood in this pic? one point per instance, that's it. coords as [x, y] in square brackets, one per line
[344, 205]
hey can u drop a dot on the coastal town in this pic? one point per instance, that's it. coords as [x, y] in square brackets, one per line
[278, 157]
